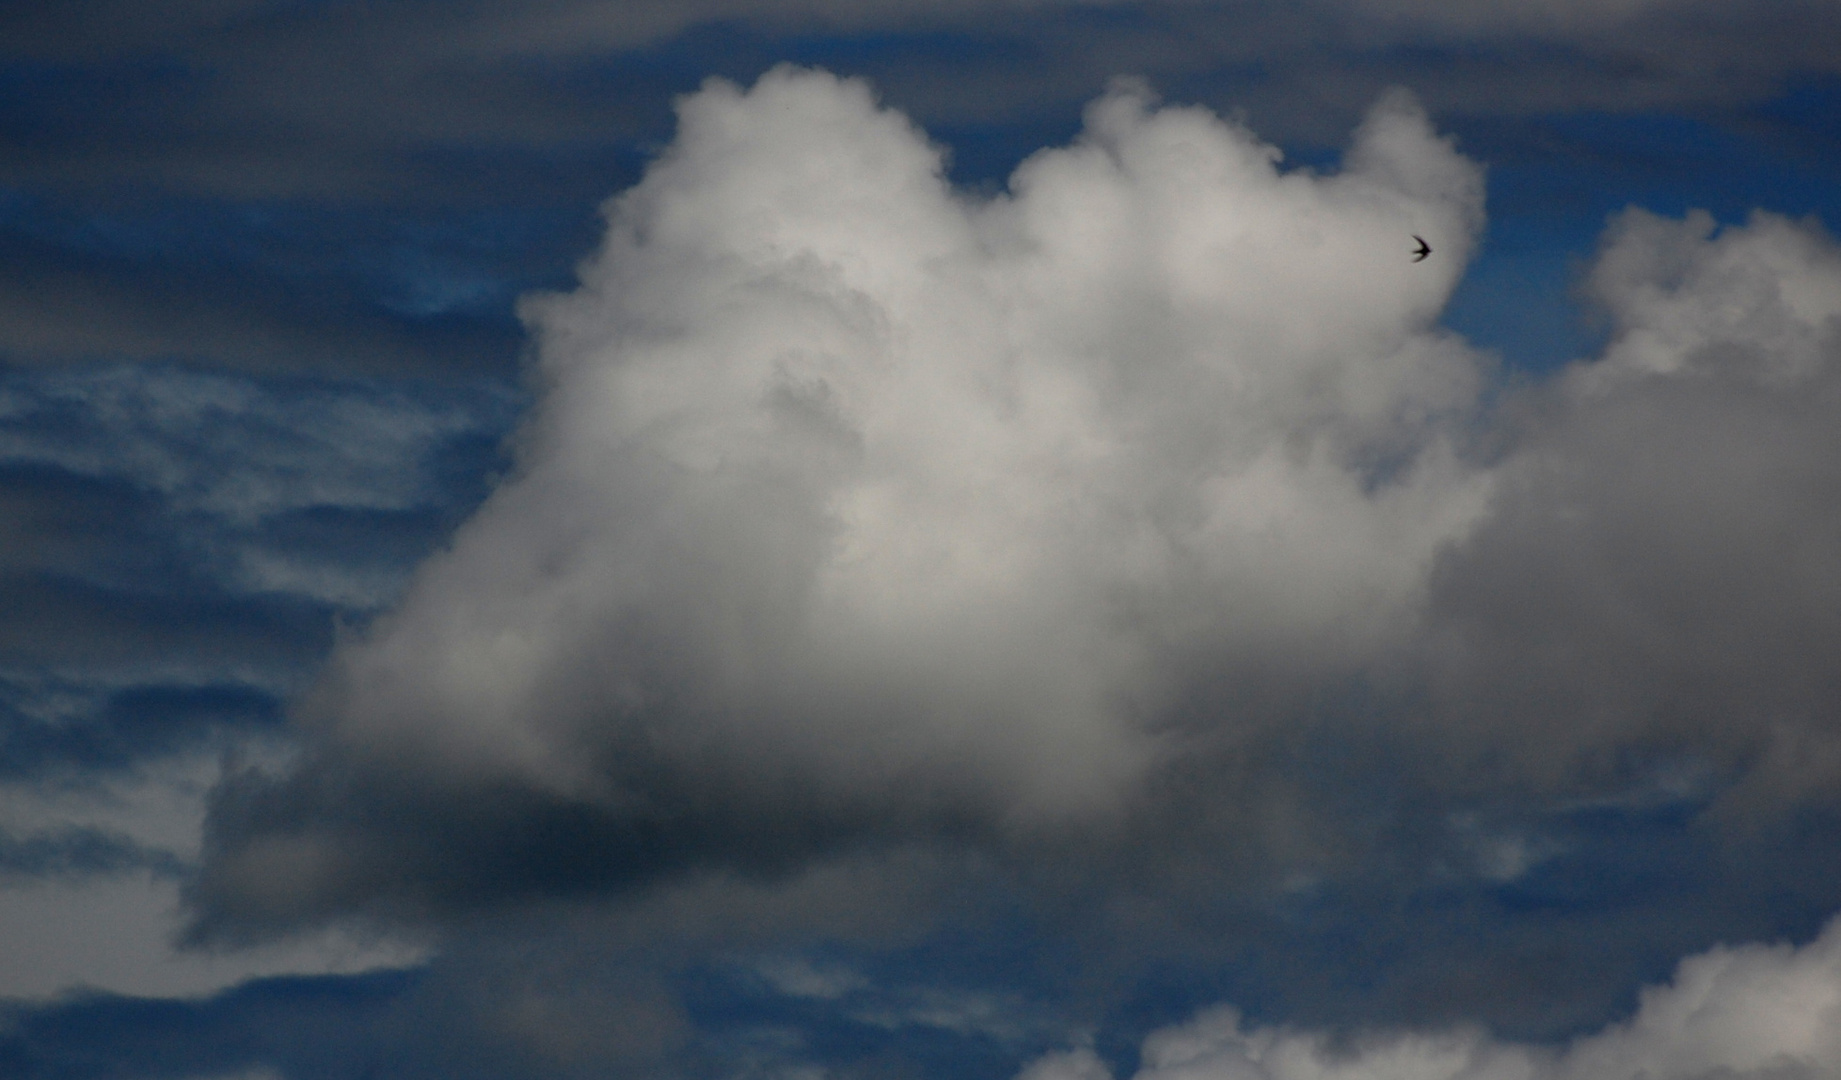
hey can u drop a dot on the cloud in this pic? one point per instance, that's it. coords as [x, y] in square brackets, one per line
[1132, 544]
[1660, 568]
[1750, 1012]
[858, 512]
[859, 509]
[1738, 1012]
[1758, 303]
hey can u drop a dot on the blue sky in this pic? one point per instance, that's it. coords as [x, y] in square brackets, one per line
[851, 538]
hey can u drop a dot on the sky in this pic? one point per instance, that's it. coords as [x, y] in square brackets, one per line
[848, 539]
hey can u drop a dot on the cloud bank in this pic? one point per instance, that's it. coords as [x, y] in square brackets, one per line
[1660, 566]
[1749, 1012]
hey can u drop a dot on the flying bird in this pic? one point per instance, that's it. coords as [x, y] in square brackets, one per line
[1424, 249]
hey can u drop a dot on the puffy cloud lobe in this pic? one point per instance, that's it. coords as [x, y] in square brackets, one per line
[1762, 303]
[856, 506]
[1750, 1012]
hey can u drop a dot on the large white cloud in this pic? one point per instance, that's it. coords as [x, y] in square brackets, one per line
[842, 476]
[858, 501]
[861, 511]
[1751, 1012]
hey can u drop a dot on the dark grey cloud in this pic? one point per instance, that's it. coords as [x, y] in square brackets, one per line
[62, 315]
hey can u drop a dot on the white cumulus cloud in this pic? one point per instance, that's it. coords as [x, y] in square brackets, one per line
[848, 481]
[857, 511]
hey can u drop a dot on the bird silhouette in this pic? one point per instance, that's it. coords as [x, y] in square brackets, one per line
[1424, 249]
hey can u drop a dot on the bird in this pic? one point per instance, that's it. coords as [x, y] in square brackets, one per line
[1424, 249]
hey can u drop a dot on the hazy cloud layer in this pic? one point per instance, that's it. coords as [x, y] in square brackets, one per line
[548, 1000]
[303, 288]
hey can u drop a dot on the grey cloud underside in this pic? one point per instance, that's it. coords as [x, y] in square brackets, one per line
[1180, 583]
[564, 994]
[334, 841]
